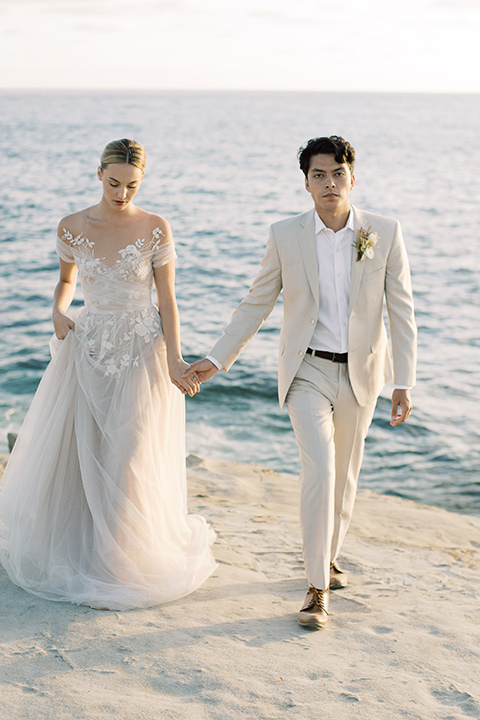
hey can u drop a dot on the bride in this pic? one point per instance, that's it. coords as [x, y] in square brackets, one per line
[93, 502]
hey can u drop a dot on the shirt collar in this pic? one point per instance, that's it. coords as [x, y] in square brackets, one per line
[320, 225]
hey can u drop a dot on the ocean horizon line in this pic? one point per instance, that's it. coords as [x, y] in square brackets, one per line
[235, 91]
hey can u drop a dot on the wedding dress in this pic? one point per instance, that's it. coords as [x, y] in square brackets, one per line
[93, 505]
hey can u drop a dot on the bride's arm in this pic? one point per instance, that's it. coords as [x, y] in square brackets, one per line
[167, 307]
[62, 298]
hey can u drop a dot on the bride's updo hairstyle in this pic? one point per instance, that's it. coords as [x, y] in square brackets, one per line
[124, 151]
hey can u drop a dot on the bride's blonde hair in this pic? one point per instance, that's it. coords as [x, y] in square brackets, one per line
[124, 151]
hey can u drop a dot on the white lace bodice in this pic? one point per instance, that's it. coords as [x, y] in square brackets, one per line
[127, 283]
[119, 320]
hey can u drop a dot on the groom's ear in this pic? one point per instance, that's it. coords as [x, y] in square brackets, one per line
[352, 182]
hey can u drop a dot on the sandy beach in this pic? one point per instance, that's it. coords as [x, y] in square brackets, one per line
[403, 639]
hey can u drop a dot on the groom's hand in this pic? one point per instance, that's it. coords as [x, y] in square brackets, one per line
[202, 369]
[401, 406]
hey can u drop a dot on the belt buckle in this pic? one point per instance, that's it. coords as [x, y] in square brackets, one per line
[333, 357]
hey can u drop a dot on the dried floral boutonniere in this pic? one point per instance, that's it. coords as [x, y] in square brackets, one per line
[366, 241]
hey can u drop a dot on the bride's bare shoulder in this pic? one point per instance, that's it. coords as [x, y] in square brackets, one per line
[74, 223]
[152, 221]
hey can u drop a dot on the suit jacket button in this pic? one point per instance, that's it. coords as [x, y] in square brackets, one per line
[312, 321]
[300, 353]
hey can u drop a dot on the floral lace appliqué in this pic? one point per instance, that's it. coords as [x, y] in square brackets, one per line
[119, 320]
[88, 264]
[132, 257]
[135, 258]
[112, 341]
[79, 240]
[157, 235]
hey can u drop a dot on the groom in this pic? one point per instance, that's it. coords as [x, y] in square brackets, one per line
[336, 264]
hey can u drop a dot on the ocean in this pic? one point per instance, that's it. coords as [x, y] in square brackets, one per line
[221, 167]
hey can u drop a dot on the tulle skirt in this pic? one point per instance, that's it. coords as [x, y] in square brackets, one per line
[93, 506]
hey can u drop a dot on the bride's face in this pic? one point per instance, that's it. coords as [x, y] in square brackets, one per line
[121, 183]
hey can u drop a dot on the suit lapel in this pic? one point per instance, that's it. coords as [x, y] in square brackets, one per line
[357, 267]
[308, 249]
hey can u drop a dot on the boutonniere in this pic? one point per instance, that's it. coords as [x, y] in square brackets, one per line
[366, 241]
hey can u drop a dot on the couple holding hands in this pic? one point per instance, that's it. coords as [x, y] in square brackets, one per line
[93, 502]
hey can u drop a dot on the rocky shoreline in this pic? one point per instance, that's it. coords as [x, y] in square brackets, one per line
[402, 641]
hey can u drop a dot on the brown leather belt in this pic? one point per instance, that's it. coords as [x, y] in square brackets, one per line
[334, 357]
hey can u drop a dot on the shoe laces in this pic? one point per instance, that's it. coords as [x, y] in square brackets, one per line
[318, 598]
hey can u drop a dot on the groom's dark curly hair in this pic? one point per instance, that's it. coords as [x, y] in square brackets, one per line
[333, 145]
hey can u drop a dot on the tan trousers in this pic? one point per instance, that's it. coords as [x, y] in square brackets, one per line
[330, 428]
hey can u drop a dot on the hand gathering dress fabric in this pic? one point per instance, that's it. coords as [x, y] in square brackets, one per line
[93, 506]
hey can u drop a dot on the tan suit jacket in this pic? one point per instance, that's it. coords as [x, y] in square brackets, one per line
[290, 264]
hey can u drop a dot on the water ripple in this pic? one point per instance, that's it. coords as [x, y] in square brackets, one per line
[221, 168]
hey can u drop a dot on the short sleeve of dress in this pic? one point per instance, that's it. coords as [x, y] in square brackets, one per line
[64, 251]
[163, 249]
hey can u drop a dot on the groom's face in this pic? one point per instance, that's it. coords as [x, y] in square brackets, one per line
[329, 183]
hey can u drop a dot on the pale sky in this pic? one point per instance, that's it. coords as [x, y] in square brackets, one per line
[364, 45]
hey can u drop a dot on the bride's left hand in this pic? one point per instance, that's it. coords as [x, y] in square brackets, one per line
[186, 385]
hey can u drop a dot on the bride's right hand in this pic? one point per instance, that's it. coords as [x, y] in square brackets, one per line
[62, 324]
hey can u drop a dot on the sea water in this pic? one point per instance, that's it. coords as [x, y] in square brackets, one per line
[221, 168]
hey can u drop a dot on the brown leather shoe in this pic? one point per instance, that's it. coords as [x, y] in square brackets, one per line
[338, 578]
[314, 613]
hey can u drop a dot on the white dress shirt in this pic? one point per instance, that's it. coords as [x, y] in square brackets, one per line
[334, 255]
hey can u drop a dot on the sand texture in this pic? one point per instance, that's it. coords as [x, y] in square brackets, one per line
[403, 639]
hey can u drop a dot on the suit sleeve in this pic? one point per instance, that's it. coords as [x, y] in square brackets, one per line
[399, 299]
[253, 310]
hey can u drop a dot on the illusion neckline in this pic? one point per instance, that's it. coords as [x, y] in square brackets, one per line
[80, 239]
